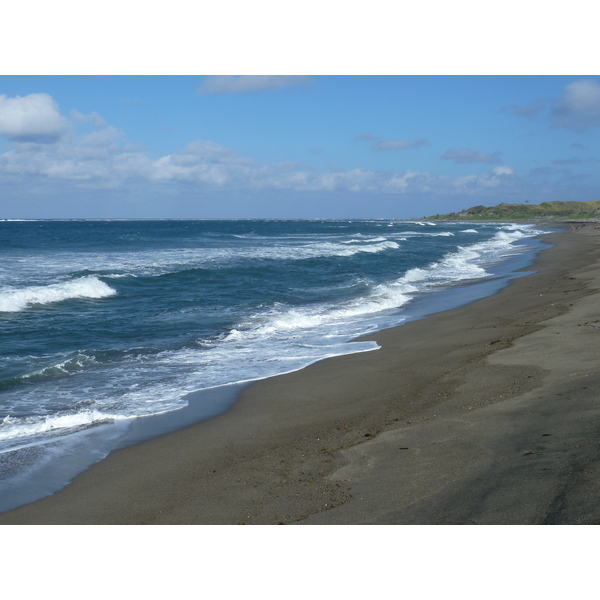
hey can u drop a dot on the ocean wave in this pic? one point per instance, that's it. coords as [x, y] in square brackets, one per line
[423, 233]
[63, 368]
[363, 240]
[282, 319]
[465, 263]
[12, 428]
[84, 287]
[223, 258]
[321, 250]
[58, 370]
[457, 266]
[152, 263]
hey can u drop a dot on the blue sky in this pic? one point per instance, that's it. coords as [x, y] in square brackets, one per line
[293, 146]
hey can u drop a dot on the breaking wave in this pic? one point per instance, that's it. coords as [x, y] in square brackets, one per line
[84, 287]
[466, 263]
[12, 428]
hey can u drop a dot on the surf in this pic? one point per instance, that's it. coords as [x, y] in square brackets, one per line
[17, 300]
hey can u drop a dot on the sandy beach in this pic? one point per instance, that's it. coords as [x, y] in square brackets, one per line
[484, 414]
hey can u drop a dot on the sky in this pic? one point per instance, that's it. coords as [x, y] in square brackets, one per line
[275, 114]
[300, 146]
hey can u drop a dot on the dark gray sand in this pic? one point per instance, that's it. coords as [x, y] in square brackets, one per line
[485, 414]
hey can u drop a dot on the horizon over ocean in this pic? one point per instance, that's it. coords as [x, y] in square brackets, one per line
[107, 326]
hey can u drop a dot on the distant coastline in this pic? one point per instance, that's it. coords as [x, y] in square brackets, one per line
[566, 212]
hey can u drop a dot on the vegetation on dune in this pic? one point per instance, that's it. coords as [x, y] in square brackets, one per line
[526, 212]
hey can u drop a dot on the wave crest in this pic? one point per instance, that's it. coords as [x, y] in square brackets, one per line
[13, 427]
[84, 287]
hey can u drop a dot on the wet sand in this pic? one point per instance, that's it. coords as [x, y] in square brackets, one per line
[485, 414]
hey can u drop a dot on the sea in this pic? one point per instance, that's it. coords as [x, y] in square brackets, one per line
[114, 331]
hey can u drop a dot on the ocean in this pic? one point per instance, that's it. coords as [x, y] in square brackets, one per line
[108, 326]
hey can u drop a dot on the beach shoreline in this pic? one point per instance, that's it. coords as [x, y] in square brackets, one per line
[446, 423]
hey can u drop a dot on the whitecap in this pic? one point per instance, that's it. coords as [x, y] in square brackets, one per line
[13, 428]
[16, 300]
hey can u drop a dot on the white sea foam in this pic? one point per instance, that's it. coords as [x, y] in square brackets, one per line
[467, 262]
[457, 266]
[282, 319]
[364, 240]
[469, 231]
[423, 233]
[323, 249]
[16, 300]
[12, 428]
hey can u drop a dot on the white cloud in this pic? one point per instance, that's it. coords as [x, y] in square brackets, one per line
[401, 182]
[466, 155]
[95, 156]
[399, 144]
[203, 162]
[104, 159]
[101, 159]
[226, 84]
[579, 108]
[498, 177]
[503, 170]
[35, 117]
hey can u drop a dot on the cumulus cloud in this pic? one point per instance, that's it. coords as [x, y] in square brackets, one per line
[466, 155]
[227, 84]
[204, 162]
[35, 117]
[579, 108]
[399, 144]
